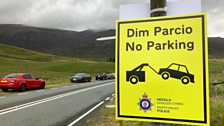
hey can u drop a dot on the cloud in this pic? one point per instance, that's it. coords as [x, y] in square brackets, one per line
[13, 10]
[87, 14]
[215, 16]
[62, 14]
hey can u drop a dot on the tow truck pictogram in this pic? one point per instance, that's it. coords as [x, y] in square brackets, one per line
[137, 75]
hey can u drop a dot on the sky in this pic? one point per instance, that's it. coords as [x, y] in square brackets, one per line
[80, 15]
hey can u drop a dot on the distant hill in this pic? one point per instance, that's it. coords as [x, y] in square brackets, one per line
[216, 47]
[59, 42]
[77, 44]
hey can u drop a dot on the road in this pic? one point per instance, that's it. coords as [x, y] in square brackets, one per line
[64, 106]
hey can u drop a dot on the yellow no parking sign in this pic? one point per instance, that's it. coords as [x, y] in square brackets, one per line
[162, 69]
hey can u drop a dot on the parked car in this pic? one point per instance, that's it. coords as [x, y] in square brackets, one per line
[110, 75]
[101, 76]
[81, 77]
[21, 81]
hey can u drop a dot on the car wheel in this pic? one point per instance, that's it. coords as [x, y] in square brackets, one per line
[185, 80]
[165, 75]
[134, 79]
[22, 88]
[42, 86]
[5, 89]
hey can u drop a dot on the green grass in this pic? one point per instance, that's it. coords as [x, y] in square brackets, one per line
[217, 111]
[56, 70]
[216, 72]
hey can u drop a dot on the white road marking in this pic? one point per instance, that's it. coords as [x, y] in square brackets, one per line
[112, 98]
[54, 88]
[2, 97]
[40, 91]
[107, 98]
[110, 106]
[81, 117]
[22, 93]
[26, 105]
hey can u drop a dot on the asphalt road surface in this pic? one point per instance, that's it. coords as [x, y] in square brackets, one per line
[63, 106]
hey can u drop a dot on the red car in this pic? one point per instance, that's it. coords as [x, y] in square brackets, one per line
[21, 81]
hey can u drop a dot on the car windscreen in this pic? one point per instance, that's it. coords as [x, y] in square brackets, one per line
[79, 75]
[12, 76]
[100, 74]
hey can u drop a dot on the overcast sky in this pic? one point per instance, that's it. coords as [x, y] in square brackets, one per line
[87, 14]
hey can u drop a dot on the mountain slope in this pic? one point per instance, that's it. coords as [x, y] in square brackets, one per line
[216, 47]
[78, 44]
[59, 42]
[11, 52]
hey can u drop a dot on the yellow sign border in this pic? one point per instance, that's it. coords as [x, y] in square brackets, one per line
[206, 120]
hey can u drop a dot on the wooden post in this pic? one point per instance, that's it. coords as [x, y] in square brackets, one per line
[120, 122]
[158, 8]
[215, 83]
[216, 90]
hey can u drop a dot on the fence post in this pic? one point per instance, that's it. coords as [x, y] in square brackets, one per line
[216, 90]
[215, 83]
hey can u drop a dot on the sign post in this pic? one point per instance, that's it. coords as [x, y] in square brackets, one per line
[162, 69]
[158, 8]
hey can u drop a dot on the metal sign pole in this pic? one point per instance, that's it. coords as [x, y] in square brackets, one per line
[158, 8]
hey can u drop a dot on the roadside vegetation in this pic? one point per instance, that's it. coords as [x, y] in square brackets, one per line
[216, 72]
[56, 70]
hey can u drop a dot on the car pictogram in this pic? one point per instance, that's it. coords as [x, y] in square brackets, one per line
[174, 70]
[177, 71]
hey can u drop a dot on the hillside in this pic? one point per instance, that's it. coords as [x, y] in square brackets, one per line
[56, 70]
[216, 47]
[59, 42]
[77, 44]
[11, 52]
